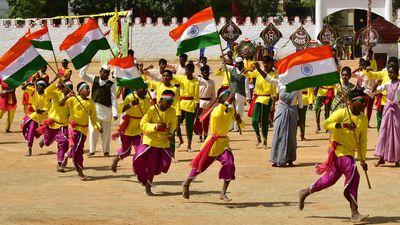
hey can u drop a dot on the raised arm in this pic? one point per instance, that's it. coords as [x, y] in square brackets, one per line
[84, 76]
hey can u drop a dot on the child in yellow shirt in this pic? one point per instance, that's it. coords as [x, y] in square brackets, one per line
[153, 156]
[40, 108]
[134, 106]
[81, 109]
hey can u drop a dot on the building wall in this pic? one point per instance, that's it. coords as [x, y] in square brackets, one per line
[150, 39]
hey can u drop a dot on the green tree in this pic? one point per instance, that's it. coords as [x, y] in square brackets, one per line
[36, 8]
[86, 7]
[255, 8]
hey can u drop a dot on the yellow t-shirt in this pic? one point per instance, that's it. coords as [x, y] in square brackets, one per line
[81, 112]
[323, 90]
[58, 113]
[262, 87]
[148, 124]
[188, 88]
[133, 128]
[345, 137]
[38, 101]
[159, 87]
[220, 121]
[225, 81]
[307, 96]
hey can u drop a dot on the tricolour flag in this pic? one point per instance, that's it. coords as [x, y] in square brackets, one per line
[127, 73]
[198, 32]
[20, 62]
[40, 39]
[313, 67]
[83, 44]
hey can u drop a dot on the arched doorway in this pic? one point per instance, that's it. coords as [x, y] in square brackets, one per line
[325, 8]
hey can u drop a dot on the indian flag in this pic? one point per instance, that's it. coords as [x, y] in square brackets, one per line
[127, 73]
[198, 32]
[83, 44]
[313, 67]
[20, 62]
[41, 39]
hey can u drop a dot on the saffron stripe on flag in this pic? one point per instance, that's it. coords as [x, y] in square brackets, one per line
[302, 57]
[79, 34]
[200, 17]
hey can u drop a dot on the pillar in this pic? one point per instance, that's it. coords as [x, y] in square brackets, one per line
[318, 18]
[388, 10]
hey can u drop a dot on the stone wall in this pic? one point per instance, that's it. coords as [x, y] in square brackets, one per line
[150, 39]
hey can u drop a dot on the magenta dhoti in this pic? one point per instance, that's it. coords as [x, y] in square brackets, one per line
[227, 171]
[29, 127]
[61, 136]
[127, 143]
[341, 165]
[150, 161]
[76, 153]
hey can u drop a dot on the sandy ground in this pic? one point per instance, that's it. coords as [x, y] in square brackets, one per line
[32, 192]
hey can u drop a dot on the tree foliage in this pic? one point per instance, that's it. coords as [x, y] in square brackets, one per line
[36, 8]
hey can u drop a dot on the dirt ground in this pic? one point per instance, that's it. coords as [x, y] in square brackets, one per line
[32, 192]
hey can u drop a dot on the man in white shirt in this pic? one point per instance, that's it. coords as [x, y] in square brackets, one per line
[105, 100]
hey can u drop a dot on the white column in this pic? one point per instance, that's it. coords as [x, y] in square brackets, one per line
[318, 18]
[388, 10]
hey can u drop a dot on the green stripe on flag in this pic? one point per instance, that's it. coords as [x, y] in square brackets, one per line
[25, 72]
[198, 42]
[46, 45]
[87, 55]
[131, 83]
[314, 81]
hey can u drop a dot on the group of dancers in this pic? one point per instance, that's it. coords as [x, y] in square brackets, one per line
[150, 119]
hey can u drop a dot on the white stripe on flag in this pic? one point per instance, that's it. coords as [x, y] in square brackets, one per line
[129, 73]
[310, 69]
[203, 28]
[79, 47]
[42, 38]
[24, 59]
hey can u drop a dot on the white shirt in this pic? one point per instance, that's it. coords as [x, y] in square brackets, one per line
[207, 90]
[367, 84]
[103, 112]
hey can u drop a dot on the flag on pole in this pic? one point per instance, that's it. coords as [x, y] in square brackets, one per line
[313, 67]
[19, 63]
[82, 45]
[198, 32]
[40, 39]
[127, 73]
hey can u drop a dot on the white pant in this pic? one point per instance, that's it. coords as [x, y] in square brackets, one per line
[105, 136]
[239, 100]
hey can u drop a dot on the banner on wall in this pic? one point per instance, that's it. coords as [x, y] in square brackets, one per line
[327, 35]
[300, 38]
[230, 32]
[271, 35]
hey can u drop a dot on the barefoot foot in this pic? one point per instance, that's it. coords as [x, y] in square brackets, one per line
[114, 164]
[302, 197]
[148, 191]
[358, 217]
[224, 198]
[185, 191]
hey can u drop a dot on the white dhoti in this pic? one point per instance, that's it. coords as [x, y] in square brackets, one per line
[240, 100]
[104, 116]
